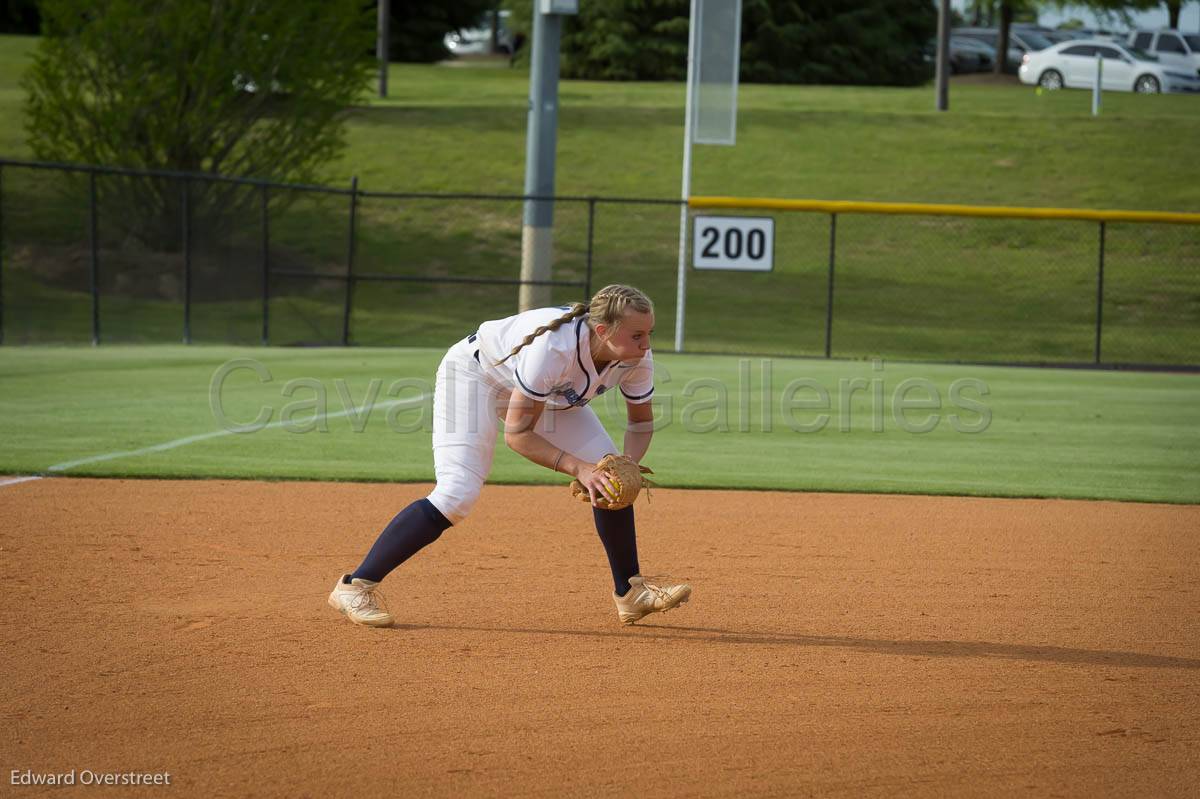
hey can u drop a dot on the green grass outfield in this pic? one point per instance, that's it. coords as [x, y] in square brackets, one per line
[911, 288]
[463, 130]
[1048, 433]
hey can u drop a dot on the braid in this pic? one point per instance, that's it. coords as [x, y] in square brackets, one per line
[578, 309]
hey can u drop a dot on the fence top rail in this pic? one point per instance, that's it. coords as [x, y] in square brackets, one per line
[166, 173]
[389, 195]
[568, 198]
[931, 209]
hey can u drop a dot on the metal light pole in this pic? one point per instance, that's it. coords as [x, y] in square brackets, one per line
[943, 56]
[537, 233]
[381, 43]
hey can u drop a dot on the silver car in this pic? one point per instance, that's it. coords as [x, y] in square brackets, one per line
[1125, 69]
[1173, 49]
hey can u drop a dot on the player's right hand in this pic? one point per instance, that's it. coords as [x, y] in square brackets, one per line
[596, 482]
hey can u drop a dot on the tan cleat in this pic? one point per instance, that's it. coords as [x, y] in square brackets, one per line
[361, 601]
[644, 599]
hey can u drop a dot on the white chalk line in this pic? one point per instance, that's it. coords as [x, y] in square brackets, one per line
[180, 442]
[12, 481]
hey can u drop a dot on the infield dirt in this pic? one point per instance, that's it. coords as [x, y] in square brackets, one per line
[835, 645]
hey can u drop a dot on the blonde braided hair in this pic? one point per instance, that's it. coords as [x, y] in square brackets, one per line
[607, 307]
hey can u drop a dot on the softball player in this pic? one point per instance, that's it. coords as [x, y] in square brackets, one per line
[531, 375]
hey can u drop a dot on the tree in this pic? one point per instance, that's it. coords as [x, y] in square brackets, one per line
[230, 87]
[1173, 8]
[20, 16]
[877, 42]
[981, 12]
[1122, 8]
[783, 41]
[617, 39]
[1010, 11]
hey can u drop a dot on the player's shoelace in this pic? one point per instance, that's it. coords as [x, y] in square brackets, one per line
[371, 599]
[661, 593]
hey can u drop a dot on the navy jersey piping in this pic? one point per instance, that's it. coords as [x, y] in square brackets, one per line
[579, 356]
[639, 397]
[527, 388]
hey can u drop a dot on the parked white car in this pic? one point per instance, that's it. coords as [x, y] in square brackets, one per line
[477, 40]
[1174, 49]
[1073, 64]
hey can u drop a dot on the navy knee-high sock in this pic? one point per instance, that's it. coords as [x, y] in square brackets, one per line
[619, 537]
[417, 526]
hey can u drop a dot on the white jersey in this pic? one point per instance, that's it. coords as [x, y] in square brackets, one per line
[556, 367]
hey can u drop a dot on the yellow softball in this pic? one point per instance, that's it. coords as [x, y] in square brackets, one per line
[616, 483]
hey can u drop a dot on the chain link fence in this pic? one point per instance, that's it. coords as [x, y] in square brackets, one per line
[1048, 289]
[109, 255]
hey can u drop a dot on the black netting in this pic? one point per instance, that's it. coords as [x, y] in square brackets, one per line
[309, 259]
[207, 260]
[1151, 294]
[781, 312]
[416, 259]
[419, 242]
[638, 244]
[946, 288]
[226, 262]
[140, 255]
[46, 256]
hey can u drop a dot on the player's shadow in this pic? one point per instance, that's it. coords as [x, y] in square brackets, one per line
[876, 646]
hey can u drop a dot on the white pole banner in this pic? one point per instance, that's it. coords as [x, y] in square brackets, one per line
[719, 55]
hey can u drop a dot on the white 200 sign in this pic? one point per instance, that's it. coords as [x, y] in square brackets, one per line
[745, 243]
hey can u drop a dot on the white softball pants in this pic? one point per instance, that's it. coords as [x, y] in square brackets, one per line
[467, 408]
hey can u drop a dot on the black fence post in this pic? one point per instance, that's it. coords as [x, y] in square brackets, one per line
[587, 286]
[350, 262]
[1100, 295]
[829, 297]
[94, 238]
[266, 269]
[186, 213]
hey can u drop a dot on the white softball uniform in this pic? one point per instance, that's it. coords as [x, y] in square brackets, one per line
[556, 368]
